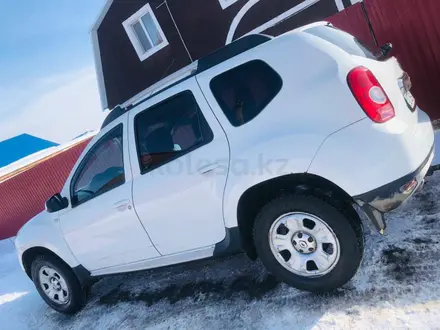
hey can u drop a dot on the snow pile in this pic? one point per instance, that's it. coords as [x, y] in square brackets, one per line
[20, 305]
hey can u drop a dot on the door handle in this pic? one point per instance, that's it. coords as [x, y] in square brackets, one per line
[208, 168]
[122, 205]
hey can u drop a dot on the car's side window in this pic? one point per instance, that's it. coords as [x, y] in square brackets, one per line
[101, 170]
[170, 130]
[244, 91]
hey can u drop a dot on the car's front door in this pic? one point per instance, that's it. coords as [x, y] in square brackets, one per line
[180, 166]
[100, 224]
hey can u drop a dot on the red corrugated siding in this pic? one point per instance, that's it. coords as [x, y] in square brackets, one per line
[23, 196]
[413, 28]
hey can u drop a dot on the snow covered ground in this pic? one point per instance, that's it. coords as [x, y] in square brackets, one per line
[397, 286]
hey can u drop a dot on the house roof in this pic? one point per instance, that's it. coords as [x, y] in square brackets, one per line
[34, 159]
[21, 146]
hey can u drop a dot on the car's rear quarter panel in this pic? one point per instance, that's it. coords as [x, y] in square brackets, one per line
[366, 155]
[284, 138]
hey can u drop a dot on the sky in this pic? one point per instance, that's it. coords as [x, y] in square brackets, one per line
[48, 85]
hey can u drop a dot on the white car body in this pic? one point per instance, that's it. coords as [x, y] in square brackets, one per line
[313, 126]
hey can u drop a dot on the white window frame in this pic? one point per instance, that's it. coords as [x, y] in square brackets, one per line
[128, 26]
[226, 3]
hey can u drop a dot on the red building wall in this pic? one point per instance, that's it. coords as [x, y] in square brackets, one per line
[413, 28]
[23, 195]
[353, 21]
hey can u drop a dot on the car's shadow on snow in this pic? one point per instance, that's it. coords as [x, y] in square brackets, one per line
[399, 268]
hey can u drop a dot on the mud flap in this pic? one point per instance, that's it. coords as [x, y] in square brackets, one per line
[376, 217]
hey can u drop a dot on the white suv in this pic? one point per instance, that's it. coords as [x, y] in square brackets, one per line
[265, 147]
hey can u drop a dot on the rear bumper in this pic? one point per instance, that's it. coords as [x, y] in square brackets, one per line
[390, 196]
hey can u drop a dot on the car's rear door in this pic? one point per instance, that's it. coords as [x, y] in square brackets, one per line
[180, 164]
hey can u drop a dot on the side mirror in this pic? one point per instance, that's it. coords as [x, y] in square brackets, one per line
[56, 203]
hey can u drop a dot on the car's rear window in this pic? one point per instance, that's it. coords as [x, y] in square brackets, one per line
[244, 91]
[343, 40]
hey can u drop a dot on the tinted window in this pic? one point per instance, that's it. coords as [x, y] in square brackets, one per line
[170, 130]
[246, 90]
[343, 40]
[101, 170]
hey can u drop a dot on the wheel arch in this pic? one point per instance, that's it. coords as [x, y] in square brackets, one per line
[32, 253]
[255, 197]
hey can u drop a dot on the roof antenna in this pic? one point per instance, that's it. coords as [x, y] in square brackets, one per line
[166, 72]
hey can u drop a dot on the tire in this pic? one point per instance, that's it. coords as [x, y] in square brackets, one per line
[70, 296]
[347, 238]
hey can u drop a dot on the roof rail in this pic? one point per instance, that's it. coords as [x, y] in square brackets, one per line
[185, 72]
[233, 49]
[205, 63]
[113, 115]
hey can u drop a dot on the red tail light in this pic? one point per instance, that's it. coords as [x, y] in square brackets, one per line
[370, 95]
